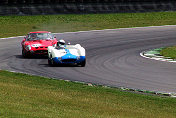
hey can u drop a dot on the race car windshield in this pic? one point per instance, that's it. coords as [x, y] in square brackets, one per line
[40, 36]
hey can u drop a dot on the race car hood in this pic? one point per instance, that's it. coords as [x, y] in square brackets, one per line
[69, 50]
[41, 42]
[62, 52]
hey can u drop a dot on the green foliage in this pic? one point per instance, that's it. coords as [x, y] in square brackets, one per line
[23, 95]
[169, 52]
[21, 25]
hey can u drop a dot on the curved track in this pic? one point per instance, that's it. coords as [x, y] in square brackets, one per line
[113, 58]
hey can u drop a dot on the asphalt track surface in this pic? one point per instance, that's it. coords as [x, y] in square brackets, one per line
[113, 58]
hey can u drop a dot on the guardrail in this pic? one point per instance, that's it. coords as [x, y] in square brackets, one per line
[82, 8]
[10, 2]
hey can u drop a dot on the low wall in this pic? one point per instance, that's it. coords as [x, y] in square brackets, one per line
[82, 8]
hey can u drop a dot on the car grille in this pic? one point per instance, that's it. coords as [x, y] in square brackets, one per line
[40, 47]
[69, 60]
[41, 51]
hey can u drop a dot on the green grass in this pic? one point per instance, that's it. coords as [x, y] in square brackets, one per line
[32, 96]
[169, 52]
[21, 25]
[26, 96]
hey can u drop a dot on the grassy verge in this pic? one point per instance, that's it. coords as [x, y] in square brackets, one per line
[21, 25]
[22, 95]
[169, 52]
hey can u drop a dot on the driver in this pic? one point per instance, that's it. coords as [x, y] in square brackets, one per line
[33, 36]
[61, 44]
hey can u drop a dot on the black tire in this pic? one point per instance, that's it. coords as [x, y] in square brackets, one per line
[83, 64]
[24, 54]
[53, 64]
[49, 61]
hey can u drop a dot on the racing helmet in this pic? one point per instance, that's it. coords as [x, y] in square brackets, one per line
[61, 42]
[33, 35]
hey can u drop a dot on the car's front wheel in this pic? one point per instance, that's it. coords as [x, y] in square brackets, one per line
[24, 53]
[49, 61]
[83, 63]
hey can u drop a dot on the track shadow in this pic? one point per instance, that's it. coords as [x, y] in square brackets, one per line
[32, 57]
[46, 65]
[19, 56]
[60, 65]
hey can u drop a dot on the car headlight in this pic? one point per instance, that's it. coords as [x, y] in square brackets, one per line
[59, 58]
[36, 45]
[78, 57]
[28, 47]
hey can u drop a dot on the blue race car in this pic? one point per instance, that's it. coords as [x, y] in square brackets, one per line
[66, 54]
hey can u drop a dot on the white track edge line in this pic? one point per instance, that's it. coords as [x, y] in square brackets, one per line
[165, 60]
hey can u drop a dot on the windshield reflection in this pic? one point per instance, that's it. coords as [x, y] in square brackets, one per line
[40, 36]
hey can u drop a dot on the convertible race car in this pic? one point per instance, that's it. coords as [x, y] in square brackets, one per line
[37, 43]
[66, 54]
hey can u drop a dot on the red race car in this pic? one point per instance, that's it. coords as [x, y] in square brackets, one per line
[37, 43]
